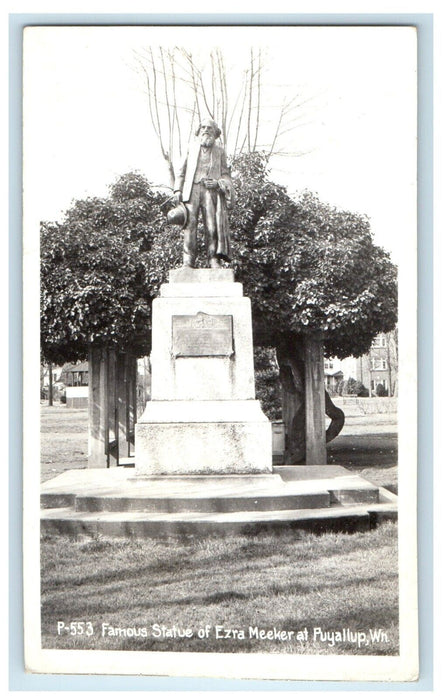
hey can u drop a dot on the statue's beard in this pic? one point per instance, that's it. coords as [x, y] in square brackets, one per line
[207, 140]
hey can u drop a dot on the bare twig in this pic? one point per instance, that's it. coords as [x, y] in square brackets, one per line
[243, 144]
[169, 116]
[194, 83]
[281, 115]
[241, 114]
[192, 121]
[213, 84]
[240, 92]
[258, 101]
[166, 155]
[203, 92]
[249, 114]
[149, 95]
[224, 94]
[175, 119]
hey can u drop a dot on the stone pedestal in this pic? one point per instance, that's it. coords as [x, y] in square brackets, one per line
[203, 417]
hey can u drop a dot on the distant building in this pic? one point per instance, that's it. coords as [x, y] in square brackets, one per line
[76, 379]
[45, 374]
[378, 368]
[333, 375]
[50, 376]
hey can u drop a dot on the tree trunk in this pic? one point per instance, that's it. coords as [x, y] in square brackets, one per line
[51, 386]
[98, 436]
[315, 452]
[112, 407]
[132, 402]
[301, 372]
[123, 406]
[291, 372]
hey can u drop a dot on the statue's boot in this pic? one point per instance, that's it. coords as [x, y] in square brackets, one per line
[214, 262]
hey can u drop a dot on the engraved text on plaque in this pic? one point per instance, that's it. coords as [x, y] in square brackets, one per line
[202, 335]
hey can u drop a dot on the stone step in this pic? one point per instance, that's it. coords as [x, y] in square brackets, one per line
[198, 504]
[117, 502]
[116, 492]
[223, 504]
[137, 524]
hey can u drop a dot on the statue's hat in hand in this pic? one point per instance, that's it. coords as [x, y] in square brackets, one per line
[178, 215]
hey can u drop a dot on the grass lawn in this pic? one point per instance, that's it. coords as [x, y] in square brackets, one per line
[64, 438]
[293, 582]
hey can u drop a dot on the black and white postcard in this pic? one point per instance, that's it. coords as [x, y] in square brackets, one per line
[220, 333]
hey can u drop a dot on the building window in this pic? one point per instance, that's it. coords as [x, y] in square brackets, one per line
[375, 383]
[380, 341]
[378, 363]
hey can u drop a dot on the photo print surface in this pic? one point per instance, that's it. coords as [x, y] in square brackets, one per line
[220, 336]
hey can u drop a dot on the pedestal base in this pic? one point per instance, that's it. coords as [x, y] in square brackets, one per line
[113, 503]
[203, 437]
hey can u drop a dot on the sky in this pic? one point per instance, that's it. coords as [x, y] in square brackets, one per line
[86, 118]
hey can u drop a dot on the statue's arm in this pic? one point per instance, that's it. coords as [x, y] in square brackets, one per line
[225, 182]
[179, 182]
[225, 170]
[180, 176]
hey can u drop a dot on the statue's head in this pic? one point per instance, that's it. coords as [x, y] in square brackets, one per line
[208, 131]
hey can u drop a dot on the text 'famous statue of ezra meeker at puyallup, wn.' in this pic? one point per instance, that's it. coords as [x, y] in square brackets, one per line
[204, 184]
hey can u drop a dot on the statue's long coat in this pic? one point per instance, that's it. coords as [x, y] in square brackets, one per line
[220, 171]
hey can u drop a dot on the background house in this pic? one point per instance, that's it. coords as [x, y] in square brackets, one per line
[333, 375]
[377, 370]
[76, 379]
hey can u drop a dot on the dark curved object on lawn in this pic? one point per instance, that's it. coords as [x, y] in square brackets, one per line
[337, 418]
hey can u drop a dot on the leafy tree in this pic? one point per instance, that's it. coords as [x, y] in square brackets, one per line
[309, 269]
[354, 388]
[381, 390]
[96, 277]
[268, 389]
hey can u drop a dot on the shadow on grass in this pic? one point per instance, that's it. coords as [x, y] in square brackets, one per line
[294, 548]
[331, 581]
[148, 588]
[136, 593]
[350, 451]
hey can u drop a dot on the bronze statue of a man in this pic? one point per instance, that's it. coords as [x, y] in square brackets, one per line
[203, 183]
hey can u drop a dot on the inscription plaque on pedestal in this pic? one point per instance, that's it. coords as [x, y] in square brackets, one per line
[202, 335]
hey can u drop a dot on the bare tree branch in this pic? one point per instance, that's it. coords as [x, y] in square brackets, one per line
[212, 81]
[241, 115]
[203, 92]
[149, 95]
[194, 81]
[243, 144]
[175, 120]
[166, 155]
[224, 94]
[169, 117]
[240, 92]
[249, 114]
[258, 100]
[192, 121]
[180, 91]
[281, 115]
